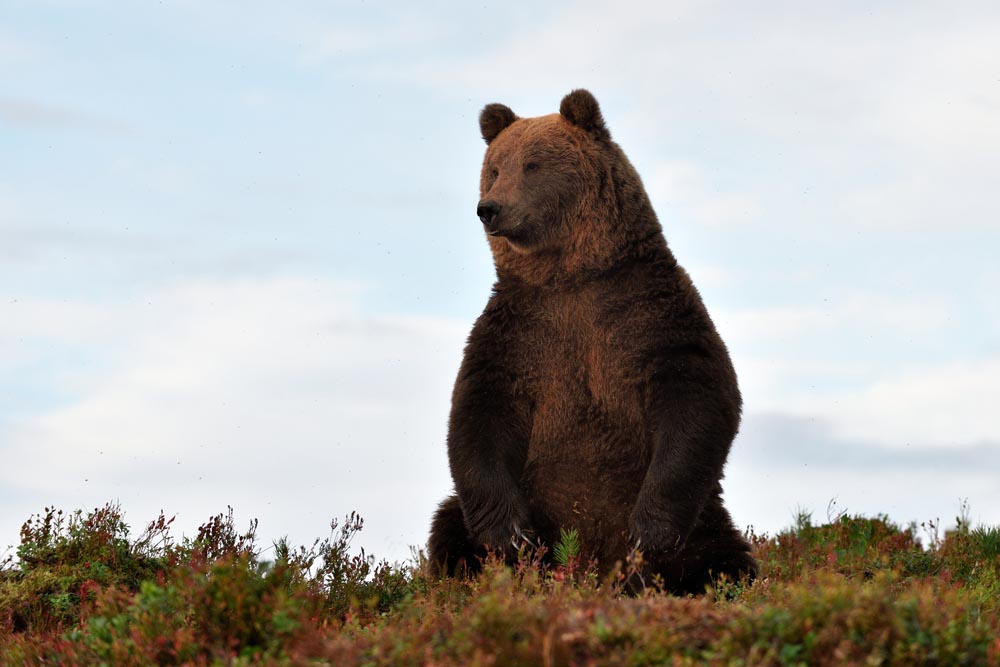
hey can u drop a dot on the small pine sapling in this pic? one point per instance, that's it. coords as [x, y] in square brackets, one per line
[567, 549]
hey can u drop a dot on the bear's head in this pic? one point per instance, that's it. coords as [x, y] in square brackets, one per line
[557, 195]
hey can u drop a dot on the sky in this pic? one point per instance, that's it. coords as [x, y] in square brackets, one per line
[239, 254]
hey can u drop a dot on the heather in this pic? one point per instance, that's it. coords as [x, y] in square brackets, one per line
[84, 588]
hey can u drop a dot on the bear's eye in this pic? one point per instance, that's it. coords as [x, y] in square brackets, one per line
[494, 173]
[531, 166]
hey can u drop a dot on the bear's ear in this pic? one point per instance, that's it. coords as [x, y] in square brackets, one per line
[493, 119]
[581, 109]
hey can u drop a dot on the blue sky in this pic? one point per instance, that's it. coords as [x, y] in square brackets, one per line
[239, 254]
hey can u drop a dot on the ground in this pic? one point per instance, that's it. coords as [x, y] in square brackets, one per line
[853, 590]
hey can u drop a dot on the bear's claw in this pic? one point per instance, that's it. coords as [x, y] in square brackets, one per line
[521, 537]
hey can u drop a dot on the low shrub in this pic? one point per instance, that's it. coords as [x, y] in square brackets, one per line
[81, 590]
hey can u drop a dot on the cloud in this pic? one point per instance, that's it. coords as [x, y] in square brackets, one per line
[781, 463]
[865, 312]
[323, 34]
[943, 404]
[27, 240]
[948, 405]
[683, 187]
[278, 396]
[125, 250]
[788, 442]
[850, 362]
[810, 99]
[283, 398]
[324, 43]
[941, 194]
[30, 114]
[14, 50]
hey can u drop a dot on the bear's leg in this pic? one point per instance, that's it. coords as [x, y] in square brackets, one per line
[714, 549]
[450, 548]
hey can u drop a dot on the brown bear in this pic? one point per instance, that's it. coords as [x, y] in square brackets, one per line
[594, 393]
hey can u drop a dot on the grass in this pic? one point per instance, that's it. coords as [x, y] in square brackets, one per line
[83, 590]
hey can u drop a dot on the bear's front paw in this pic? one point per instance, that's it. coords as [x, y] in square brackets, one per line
[508, 539]
[508, 532]
[652, 532]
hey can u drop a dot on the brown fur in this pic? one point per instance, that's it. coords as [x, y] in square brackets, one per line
[595, 392]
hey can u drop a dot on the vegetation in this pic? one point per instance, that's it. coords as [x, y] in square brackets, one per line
[83, 591]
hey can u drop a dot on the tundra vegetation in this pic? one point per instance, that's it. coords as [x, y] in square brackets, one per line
[83, 588]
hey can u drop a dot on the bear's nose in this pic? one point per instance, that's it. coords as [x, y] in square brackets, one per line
[488, 212]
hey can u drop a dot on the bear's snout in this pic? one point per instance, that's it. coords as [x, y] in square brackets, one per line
[488, 211]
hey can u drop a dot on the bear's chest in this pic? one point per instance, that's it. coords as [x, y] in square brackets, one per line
[581, 370]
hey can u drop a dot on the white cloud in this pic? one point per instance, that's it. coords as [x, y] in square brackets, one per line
[683, 187]
[34, 114]
[936, 404]
[949, 405]
[890, 112]
[162, 177]
[710, 275]
[282, 398]
[14, 50]
[769, 382]
[807, 361]
[942, 194]
[943, 101]
[871, 312]
[781, 463]
[324, 43]
[279, 397]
